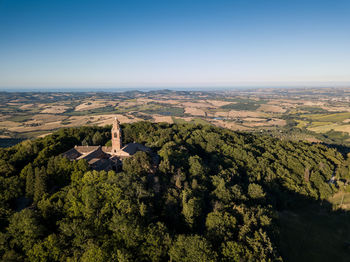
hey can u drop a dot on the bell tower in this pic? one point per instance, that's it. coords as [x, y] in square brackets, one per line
[116, 136]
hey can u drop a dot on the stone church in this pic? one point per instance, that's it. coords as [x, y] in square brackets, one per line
[103, 157]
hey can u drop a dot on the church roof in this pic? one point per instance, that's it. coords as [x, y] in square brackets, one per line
[97, 153]
[72, 154]
[107, 149]
[85, 149]
[132, 148]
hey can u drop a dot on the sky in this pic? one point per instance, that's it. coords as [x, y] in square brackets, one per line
[174, 43]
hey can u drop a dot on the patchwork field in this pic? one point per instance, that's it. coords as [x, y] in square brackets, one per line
[297, 114]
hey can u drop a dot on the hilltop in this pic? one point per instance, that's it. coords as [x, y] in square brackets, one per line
[216, 195]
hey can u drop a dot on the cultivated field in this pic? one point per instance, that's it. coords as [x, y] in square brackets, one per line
[297, 114]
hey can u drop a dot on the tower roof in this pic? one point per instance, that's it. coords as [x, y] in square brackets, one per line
[116, 123]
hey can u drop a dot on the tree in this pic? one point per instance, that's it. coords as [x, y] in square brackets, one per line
[192, 248]
[191, 207]
[25, 229]
[97, 139]
[93, 253]
[50, 249]
[157, 242]
[139, 163]
[6, 169]
[40, 183]
[28, 173]
[255, 191]
[220, 225]
[196, 167]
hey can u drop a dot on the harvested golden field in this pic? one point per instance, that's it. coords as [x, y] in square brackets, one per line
[253, 119]
[159, 119]
[56, 122]
[55, 110]
[277, 122]
[141, 101]
[43, 135]
[312, 103]
[4, 117]
[144, 100]
[230, 125]
[236, 114]
[100, 120]
[26, 106]
[218, 103]
[271, 108]
[8, 124]
[42, 127]
[343, 128]
[194, 111]
[47, 117]
[40, 105]
[256, 124]
[197, 105]
[272, 122]
[129, 103]
[91, 105]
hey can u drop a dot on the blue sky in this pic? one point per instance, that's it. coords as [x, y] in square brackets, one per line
[170, 43]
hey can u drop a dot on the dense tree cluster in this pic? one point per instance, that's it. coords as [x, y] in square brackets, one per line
[213, 197]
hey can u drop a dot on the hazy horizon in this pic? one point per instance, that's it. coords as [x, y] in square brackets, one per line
[160, 88]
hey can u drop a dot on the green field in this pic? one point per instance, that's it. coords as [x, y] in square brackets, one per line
[337, 117]
[301, 123]
[20, 118]
[317, 123]
[249, 105]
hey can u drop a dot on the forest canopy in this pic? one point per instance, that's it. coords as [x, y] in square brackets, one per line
[215, 195]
